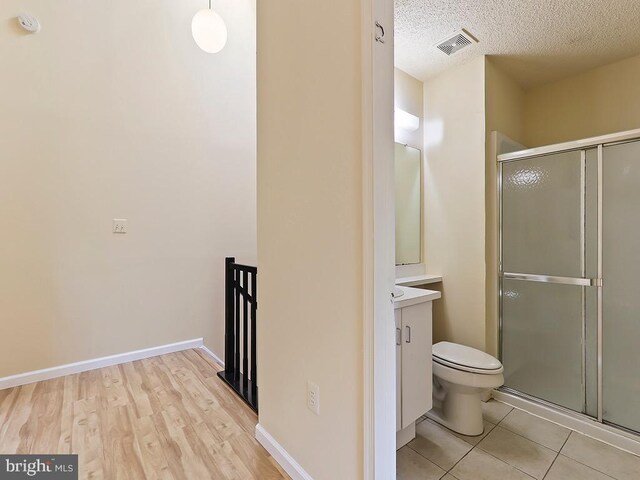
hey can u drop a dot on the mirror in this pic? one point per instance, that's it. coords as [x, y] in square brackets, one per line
[408, 168]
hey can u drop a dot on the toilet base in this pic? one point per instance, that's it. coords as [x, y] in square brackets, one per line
[458, 408]
[457, 398]
[437, 417]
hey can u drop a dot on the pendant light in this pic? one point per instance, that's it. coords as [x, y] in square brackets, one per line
[209, 30]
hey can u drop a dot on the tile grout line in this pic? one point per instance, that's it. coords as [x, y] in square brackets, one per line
[584, 464]
[408, 445]
[533, 441]
[448, 472]
[427, 459]
[557, 455]
[506, 415]
[431, 461]
[507, 463]
[521, 436]
[450, 433]
[571, 432]
[473, 447]
[574, 460]
[590, 467]
[462, 458]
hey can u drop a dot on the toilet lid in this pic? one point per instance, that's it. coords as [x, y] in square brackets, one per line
[465, 358]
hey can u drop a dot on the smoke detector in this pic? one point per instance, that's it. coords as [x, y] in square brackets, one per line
[456, 41]
[29, 23]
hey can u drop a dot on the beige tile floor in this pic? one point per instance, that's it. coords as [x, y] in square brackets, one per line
[515, 445]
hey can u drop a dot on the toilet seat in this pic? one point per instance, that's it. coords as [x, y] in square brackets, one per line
[466, 359]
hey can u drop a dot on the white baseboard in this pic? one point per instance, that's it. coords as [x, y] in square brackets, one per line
[216, 358]
[280, 455]
[86, 365]
[591, 428]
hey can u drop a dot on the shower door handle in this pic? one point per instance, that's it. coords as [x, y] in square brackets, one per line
[583, 282]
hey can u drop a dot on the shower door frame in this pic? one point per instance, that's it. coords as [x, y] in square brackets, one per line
[582, 146]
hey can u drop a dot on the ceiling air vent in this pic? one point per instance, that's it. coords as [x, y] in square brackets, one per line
[455, 42]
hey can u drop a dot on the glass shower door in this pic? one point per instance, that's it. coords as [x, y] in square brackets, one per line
[621, 284]
[548, 257]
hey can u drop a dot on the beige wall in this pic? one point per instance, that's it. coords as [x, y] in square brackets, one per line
[408, 96]
[454, 200]
[600, 101]
[504, 103]
[112, 111]
[310, 232]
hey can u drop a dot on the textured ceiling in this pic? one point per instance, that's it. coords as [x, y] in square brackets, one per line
[536, 41]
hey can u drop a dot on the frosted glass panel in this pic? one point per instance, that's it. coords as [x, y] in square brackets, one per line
[543, 215]
[542, 341]
[549, 228]
[408, 204]
[621, 284]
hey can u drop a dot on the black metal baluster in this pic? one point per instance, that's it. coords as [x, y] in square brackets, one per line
[228, 313]
[254, 335]
[236, 287]
[245, 327]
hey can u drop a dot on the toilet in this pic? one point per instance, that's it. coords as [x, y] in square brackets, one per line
[462, 376]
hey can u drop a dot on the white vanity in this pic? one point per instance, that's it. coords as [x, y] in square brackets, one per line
[412, 306]
[413, 318]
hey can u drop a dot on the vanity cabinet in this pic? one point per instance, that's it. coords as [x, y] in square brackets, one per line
[413, 363]
[398, 316]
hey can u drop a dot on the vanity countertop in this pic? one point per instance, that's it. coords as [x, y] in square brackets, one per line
[418, 280]
[412, 296]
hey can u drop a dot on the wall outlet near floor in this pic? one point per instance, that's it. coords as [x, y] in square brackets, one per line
[313, 397]
[119, 225]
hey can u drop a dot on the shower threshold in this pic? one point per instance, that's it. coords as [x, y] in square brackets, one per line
[581, 423]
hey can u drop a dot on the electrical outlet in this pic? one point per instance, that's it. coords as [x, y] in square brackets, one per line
[313, 397]
[119, 225]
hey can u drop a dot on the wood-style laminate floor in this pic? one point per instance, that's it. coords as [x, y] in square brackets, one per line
[167, 417]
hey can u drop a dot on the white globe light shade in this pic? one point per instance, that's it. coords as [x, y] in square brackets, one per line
[209, 31]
